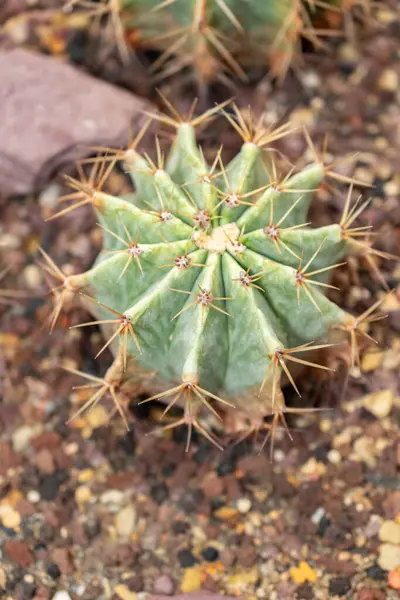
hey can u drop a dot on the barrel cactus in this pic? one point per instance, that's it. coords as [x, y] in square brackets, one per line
[210, 285]
[212, 39]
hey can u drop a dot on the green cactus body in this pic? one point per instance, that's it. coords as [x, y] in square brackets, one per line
[214, 36]
[210, 279]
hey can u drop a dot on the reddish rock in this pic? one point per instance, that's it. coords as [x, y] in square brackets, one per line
[227, 558]
[182, 474]
[25, 508]
[212, 485]
[255, 465]
[9, 458]
[370, 594]
[164, 585]
[334, 565]
[120, 481]
[232, 487]
[42, 594]
[51, 114]
[44, 461]
[49, 440]
[123, 555]
[391, 504]
[18, 552]
[246, 555]
[62, 558]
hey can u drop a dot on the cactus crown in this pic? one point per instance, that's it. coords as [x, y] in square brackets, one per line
[210, 278]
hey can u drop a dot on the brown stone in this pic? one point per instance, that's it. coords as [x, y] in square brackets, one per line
[44, 462]
[246, 555]
[51, 114]
[48, 439]
[334, 565]
[25, 508]
[391, 504]
[232, 487]
[212, 485]
[9, 458]
[257, 466]
[370, 594]
[42, 594]
[18, 552]
[62, 558]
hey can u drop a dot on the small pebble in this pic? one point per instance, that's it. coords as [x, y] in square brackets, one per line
[32, 276]
[123, 592]
[302, 573]
[54, 571]
[97, 417]
[317, 515]
[339, 586]
[389, 557]
[82, 494]
[191, 581]
[210, 554]
[180, 527]
[125, 521]
[243, 505]
[159, 492]
[390, 532]
[225, 513]
[186, 558]
[61, 596]
[10, 518]
[112, 497]
[23, 435]
[389, 81]
[33, 496]
[371, 361]
[164, 585]
[370, 594]
[50, 486]
[380, 403]
[394, 579]
[334, 456]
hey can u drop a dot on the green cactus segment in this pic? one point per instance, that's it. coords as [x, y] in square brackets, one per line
[242, 177]
[303, 243]
[155, 189]
[211, 301]
[200, 341]
[250, 312]
[115, 215]
[301, 185]
[301, 320]
[193, 170]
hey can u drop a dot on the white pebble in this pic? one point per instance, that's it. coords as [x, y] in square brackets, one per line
[33, 496]
[317, 515]
[61, 596]
[243, 505]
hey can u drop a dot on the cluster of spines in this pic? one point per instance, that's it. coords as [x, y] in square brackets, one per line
[89, 191]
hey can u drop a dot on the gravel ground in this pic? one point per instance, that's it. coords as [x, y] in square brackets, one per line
[88, 511]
